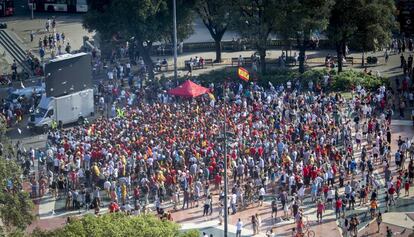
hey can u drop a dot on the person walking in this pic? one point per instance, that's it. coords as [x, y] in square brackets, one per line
[239, 228]
[379, 221]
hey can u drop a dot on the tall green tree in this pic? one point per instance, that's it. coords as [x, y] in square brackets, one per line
[15, 204]
[146, 21]
[215, 15]
[363, 24]
[343, 25]
[375, 24]
[255, 20]
[305, 18]
[118, 224]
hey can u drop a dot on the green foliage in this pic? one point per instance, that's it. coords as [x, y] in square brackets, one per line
[215, 15]
[3, 125]
[347, 80]
[315, 75]
[254, 21]
[15, 205]
[190, 233]
[374, 22]
[146, 21]
[344, 81]
[118, 225]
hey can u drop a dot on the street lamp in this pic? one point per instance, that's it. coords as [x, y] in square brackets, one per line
[225, 162]
[223, 138]
[175, 39]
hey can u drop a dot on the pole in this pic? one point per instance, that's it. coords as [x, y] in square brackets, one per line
[225, 163]
[32, 9]
[175, 40]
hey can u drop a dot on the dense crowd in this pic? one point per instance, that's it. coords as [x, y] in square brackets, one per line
[286, 143]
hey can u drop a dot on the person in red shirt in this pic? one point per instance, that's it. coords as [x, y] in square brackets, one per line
[391, 192]
[338, 207]
[217, 181]
[320, 208]
[407, 188]
[398, 186]
[113, 207]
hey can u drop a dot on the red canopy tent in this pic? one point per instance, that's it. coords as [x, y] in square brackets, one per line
[189, 90]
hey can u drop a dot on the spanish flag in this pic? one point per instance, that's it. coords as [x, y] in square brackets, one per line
[243, 74]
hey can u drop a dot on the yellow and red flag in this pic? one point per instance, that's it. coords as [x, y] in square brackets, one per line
[243, 74]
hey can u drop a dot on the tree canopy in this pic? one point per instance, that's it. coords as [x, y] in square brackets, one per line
[215, 15]
[362, 24]
[146, 21]
[255, 20]
[302, 18]
[15, 205]
[118, 224]
[365, 25]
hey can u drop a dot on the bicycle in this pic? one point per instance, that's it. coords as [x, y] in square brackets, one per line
[307, 231]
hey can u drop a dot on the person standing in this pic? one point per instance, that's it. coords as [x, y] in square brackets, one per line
[338, 207]
[274, 209]
[320, 209]
[386, 56]
[254, 224]
[389, 232]
[379, 221]
[239, 228]
[407, 188]
[258, 222]
[262, 192]
[31, 36]
[207, 203]
[186, 199]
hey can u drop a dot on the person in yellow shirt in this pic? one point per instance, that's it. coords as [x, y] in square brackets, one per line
[123, 192]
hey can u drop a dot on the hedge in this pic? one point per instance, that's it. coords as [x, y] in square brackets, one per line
[344, 81]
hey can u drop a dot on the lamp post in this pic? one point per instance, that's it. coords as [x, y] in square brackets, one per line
[225, 162]
[175, 39]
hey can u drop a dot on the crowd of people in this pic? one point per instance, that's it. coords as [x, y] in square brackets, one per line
[288, 143]
[53, 41]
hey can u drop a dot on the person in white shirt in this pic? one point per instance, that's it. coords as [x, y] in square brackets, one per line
[262, 192]
[239, 228]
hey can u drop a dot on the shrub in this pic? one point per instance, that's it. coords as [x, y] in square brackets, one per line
[344, 81]
[349, 79]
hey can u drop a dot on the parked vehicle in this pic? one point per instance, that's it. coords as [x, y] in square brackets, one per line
[62, 110]
[26, 93]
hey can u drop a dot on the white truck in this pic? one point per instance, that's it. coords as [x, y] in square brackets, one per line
[62, 110]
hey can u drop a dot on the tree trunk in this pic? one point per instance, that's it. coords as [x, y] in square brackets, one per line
[262, 53]
[339, 55]
[145, 52]
[302, 51]
[363, 59]
[218, 51]
[302, 58]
